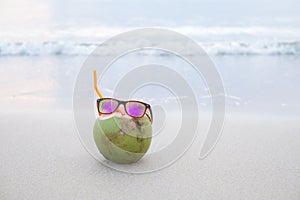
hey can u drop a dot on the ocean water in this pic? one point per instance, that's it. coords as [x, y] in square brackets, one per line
[215, 40]
[256, 53]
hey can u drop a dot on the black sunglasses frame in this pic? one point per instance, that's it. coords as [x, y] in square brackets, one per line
[147, 106]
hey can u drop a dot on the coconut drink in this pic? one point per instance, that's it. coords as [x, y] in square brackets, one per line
[123, 131]
[121, 139]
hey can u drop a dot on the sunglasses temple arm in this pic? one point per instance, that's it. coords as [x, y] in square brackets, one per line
[95, 85]
[151, 116]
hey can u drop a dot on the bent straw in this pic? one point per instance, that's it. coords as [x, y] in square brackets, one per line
[95, 85]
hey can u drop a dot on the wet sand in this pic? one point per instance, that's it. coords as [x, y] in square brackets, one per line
[257, 156]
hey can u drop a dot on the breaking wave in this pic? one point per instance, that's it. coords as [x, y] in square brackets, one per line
[212, 48]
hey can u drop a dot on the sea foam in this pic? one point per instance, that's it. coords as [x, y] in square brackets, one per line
[212, 48]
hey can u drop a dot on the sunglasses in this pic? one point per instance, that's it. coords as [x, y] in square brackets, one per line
[133, 108]
[136, 109]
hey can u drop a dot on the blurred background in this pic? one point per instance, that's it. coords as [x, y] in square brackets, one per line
[206, 21]
[254, 44]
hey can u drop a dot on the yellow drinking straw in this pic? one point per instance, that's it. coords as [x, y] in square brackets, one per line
[95, 85]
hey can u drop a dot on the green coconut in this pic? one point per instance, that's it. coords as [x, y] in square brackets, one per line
[123, 140]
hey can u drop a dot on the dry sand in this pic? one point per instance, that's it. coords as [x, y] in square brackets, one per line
[257, 157]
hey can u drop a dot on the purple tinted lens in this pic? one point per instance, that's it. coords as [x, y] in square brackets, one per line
[135, 109]
[108, 106]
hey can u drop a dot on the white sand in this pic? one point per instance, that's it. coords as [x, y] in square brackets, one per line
[257, 157]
